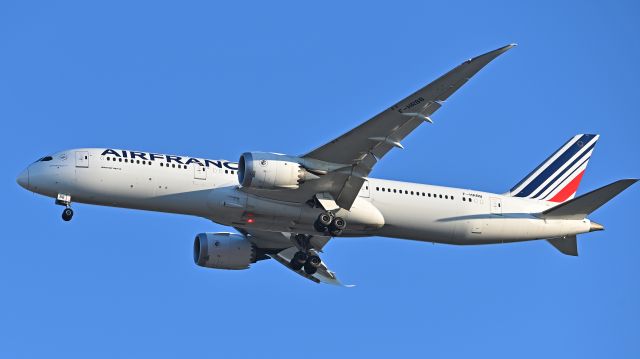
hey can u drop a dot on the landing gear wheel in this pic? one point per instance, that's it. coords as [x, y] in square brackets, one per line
[312, 264]
[323, 222]
[339, 223]
[325, 219]
[337, 226]
[298, 261]
[67, 214]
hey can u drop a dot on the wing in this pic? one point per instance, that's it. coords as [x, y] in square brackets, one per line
[280, 247]
[354, 154]
[362, 147]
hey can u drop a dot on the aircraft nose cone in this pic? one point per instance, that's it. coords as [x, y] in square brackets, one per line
[23, 179]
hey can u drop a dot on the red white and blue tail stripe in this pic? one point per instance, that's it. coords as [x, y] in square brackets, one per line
[558, 177]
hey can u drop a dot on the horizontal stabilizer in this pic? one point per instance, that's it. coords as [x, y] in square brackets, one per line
[566, 245]
[581, 207]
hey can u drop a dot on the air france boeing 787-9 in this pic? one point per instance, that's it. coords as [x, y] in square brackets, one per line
[288, 207]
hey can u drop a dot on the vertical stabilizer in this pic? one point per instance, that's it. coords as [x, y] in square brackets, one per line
[558, 177]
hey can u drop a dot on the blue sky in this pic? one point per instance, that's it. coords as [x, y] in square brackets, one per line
[215, 80]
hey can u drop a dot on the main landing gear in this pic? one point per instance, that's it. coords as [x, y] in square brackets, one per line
[65, 200]
[305, 258]
[329, 224]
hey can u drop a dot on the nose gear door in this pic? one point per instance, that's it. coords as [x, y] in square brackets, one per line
[82, 159]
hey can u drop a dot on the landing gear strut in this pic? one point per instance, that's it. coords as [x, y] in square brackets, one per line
[329, 224]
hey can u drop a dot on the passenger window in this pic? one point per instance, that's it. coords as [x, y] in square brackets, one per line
[173, 165]
[440, 196]
[445, 197]
[126, 160]
[406, 192]
[412, 193]
[226, 171]
[422, 194]
[452, 198]
[394, 190]
[161, 164]
[429, 194]
[377, 188]
[119, 159]
[138, 161]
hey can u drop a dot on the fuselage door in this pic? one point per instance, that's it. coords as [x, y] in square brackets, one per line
[82, 159]
[199, 172]
[364, 191]
[496, 206]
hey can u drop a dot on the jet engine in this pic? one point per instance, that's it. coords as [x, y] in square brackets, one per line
[265, 170]
[223, 251]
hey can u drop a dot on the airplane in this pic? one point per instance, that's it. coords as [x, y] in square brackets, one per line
[288, 207]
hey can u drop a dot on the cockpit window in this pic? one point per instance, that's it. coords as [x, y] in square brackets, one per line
[45, 158]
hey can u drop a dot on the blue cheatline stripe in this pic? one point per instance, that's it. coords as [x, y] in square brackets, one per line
[540, 165]
[553, 167]
[553, 182]
[574, 172]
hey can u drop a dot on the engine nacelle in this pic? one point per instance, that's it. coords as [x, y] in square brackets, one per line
[223, 251]
[271, 171]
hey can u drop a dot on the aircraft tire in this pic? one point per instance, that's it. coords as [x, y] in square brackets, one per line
[67, 214]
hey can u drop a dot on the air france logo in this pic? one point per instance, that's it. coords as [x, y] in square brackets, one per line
[147, 156]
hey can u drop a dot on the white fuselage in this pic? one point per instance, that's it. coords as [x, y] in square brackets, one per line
[210, 189]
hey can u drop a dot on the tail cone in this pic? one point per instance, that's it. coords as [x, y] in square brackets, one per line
[596, 227]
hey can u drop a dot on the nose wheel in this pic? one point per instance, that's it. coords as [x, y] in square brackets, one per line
[67, 214]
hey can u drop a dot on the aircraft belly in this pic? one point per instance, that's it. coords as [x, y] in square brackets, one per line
[416, 221]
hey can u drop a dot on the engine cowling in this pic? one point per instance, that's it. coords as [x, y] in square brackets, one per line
[223, 251]
[271, 171]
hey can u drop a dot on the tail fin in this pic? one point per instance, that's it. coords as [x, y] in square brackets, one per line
[557, 178]
[581, 207]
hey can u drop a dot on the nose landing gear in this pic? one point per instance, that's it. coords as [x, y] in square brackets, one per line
[65, 200]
